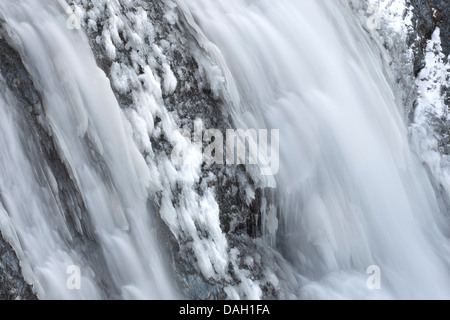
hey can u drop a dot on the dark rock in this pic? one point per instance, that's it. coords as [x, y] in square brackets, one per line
[429, 14]
[193, 99]
[442, 21]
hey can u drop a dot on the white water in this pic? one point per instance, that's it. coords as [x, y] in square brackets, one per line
[80, 106]
[350, 194]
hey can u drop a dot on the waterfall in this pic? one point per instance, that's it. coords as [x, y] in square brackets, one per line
[349, 193]
[95, 145]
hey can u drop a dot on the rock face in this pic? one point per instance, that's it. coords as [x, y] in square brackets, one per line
[441, 18]
[430, 119]
[12, 285]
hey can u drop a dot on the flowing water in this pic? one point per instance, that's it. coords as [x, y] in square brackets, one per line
[95, 144]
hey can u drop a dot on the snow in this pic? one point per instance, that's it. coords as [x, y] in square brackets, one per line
[136, 147]
[352, 175]
[432, 81]
[145, 76]
[94, 139]
[431, 115]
